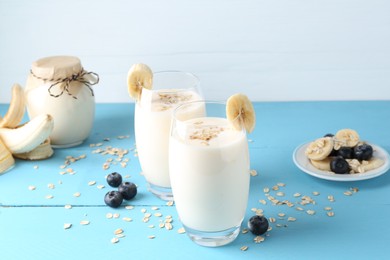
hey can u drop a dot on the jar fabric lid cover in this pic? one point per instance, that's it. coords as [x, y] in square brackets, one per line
[56, 67]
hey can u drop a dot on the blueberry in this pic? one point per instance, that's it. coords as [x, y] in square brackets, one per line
[345, 152]
[363, 152]
[128, 190]
[258, 225]
[114, 179]
[113, 199]
[339, 165]
[329, 135]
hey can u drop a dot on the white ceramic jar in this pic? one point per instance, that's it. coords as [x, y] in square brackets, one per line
[60, 86]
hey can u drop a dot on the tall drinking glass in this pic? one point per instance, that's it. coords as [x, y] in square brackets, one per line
[152, 122]
[209, 171]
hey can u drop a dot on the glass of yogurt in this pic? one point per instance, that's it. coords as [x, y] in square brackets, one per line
[209, 170]
[152, 122]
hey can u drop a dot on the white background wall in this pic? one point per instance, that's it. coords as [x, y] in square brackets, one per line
[268, 49]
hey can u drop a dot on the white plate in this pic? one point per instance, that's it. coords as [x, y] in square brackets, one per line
[303, 163]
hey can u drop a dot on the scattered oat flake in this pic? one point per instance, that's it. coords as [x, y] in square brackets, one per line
[297, 194]
[168, 226]
[51, 186]
[49, 197]
[281, 184]
[310, 212]
[291, 219]
[157, 214]
[281, 214]
[330, 213]
[127, 219]
[67, 225]
[155, 208]
[152, 237]
[68, 206]
[151, 226]
[120, 235]
[31, 187]
[84, 222]
[244, 231]
[258, 239]
[253, 173]
[276, 187]
[109, 215]
[118, 231]
[181, 230]
[170, 203]
[328, 208]
[143, 210]
[129, 207]
[36, 167]
[91, 183]
[331, 198]
[280, 194]
[354, 189]
[76, 194]
[266, 190]
[114, 240]
[272, 220]
[347, 193]
[315, 193]
[263, 202]
[243, 248]
[100, 186]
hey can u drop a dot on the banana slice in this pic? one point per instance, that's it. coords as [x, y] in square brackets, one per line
[43, 151]
[240, 112]
[322, 165]
[140, 76]
[6, 159]
[364, 166]
[346, 138]
[319, 149]
[16, 109]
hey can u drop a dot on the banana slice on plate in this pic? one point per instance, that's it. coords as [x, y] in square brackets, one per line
[240, 112]
[346, 138]
[322, 165]
[319, 149]
[140, 76]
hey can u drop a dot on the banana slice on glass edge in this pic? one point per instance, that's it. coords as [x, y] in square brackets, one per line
[6, 159]
[16, 109]
[319, 149]
[240, 112]
[346, 138]
[41, 152]
[27, 137]
[139, 76]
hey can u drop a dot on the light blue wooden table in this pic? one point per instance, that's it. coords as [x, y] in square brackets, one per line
[32, 226]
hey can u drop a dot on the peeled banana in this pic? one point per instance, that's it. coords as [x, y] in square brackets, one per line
[319, 149]
[240, 112]
[6, 159]
[28, 136]
[139, 76]
[43, 151]
[16, 109]
[364, 166]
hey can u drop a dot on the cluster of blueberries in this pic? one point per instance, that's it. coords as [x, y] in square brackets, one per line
[258, 225]
[126, 190]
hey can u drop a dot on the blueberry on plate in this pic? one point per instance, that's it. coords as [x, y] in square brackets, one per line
[329, 135]
[113, 199]
[114, 179]
[339, 165]
[345, 152]
[128, 190]
[363, 152]
[258, 225]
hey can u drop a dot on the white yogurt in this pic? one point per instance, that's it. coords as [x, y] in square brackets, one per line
[152, 123]
[209, 170]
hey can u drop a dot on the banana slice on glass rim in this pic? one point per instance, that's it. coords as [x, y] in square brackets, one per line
[139, 76]
[240, 112]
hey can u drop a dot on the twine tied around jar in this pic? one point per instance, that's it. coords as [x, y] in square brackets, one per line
[82, 77]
